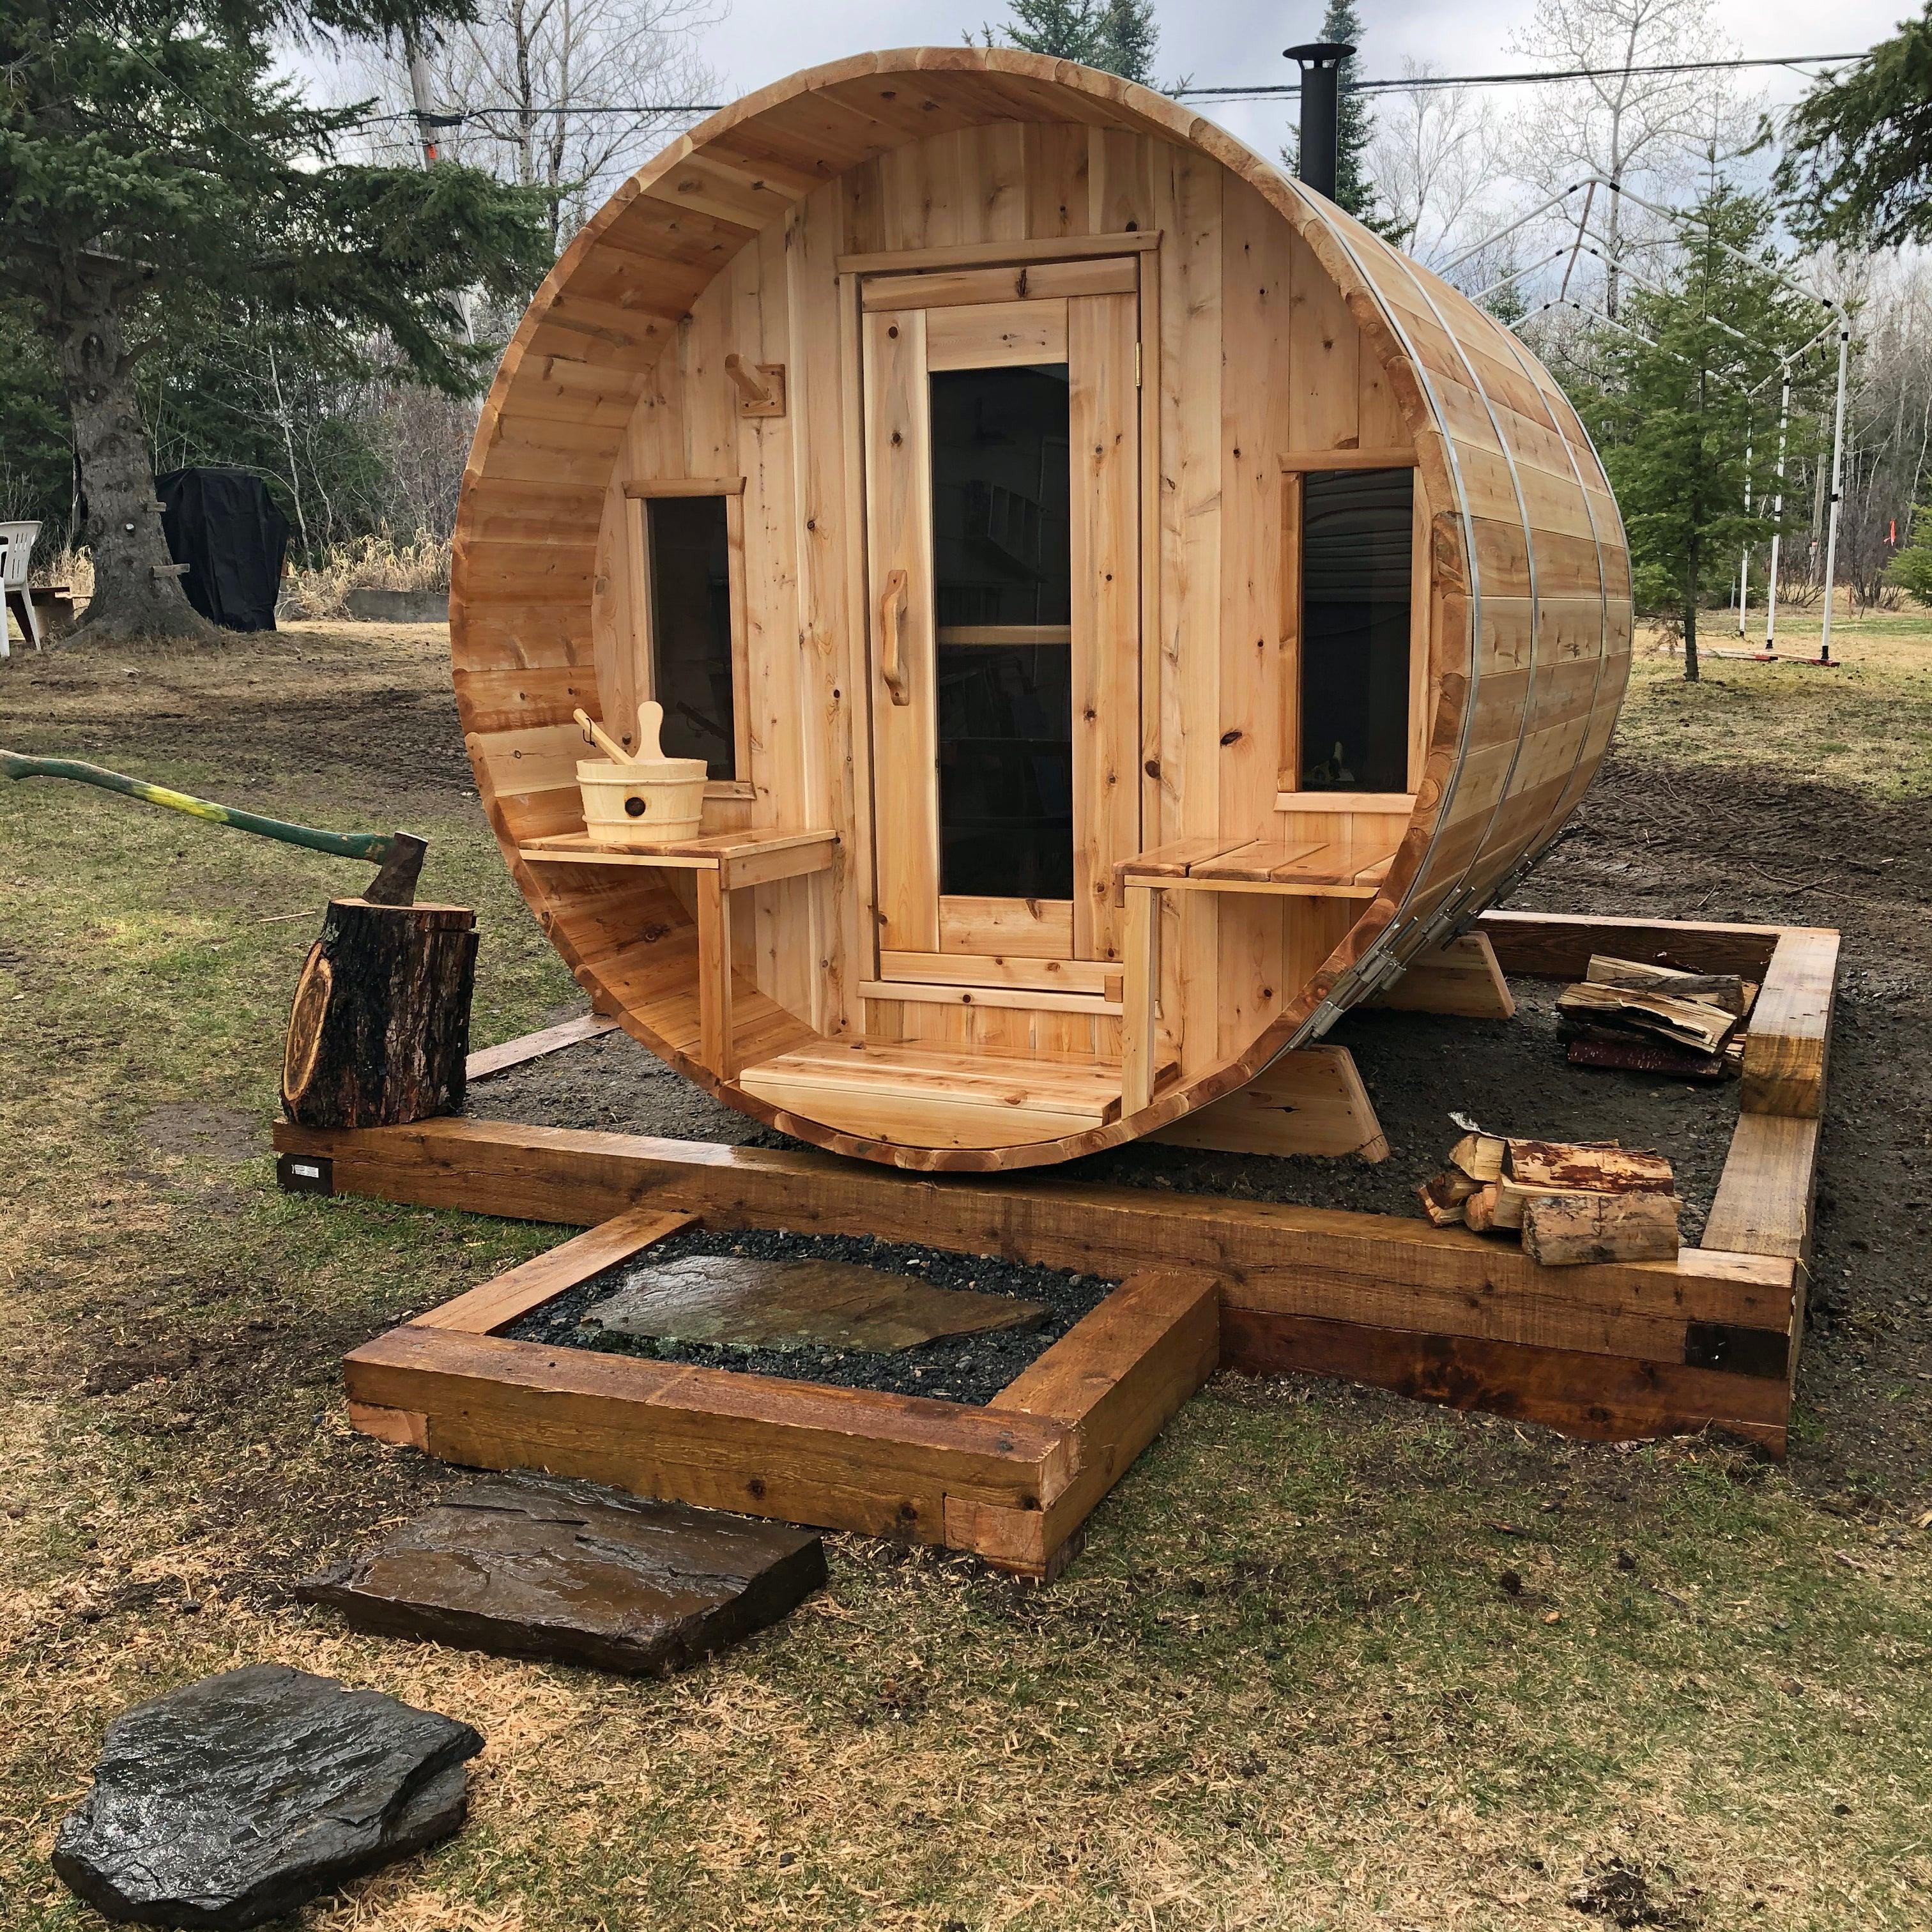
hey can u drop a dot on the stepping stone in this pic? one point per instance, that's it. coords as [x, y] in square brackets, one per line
[750, 1303]
[235, 1800]
[574, 1573]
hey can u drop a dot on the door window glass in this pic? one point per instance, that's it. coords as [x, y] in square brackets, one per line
[1002, 574]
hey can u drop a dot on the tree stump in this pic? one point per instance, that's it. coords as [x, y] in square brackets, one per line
[380, 1028]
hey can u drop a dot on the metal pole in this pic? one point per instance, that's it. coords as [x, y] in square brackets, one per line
[1776, 513]
[1744, 561]
[1837, 492]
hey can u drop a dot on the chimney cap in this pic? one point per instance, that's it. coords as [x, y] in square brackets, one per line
[1319, 53]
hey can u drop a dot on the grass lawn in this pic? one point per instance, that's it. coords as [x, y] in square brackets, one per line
[1329, 1661]
[1867, 723]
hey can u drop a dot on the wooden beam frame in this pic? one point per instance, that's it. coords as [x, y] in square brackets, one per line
[1617, 1352]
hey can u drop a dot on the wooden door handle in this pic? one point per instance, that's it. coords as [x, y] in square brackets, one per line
[892, 626]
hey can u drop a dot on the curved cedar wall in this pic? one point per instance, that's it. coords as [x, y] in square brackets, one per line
[1273, 311]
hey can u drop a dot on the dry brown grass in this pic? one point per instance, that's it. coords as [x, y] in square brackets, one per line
[377, 562]
[1285, 1687]
[1867, 724]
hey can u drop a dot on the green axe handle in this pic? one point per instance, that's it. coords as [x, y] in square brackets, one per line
[399, 854]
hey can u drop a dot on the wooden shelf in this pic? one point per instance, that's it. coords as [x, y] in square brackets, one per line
[1303, 868]
[752, 858]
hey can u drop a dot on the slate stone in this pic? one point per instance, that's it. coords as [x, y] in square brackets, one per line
[235, 1800]
[747, 1303]
[574, 1573]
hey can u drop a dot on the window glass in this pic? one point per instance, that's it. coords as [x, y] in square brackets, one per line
[691, 628]
[1002, 571]
[1355, 589]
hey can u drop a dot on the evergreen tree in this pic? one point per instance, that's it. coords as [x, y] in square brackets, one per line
[1911, 569]
[1354, 126]
[157, 177]
[1115, 36]
[1672, 419]
[1857, 161]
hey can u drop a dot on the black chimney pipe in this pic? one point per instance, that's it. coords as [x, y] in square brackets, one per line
[1320, 64]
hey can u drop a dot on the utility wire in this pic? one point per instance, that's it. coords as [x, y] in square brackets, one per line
[1428, 82]
[1413, 83]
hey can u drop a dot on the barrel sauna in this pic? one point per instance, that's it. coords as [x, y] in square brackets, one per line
[1129, 611]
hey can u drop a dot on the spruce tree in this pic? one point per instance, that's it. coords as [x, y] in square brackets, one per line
[1675, 409]
[1857, 161]
[1354, 126]
[156, 175]
[1115, 36]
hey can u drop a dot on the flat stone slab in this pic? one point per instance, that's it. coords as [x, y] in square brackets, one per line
[235, 1800]
[747, 1303]
[574, 1573]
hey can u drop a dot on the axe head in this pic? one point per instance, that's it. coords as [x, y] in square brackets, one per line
[395, 881]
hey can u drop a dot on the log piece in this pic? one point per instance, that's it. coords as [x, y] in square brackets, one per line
[1444, 1195]
[1595, 1167]
[1630, 1054]
[1479, 1211]
[1691, 1023]
[1715, 989]
[379, 1032]
[1480, 1155]
[1566, 1230]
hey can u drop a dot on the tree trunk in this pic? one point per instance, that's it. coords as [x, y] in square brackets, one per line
[1690, 619]
[137, 592]
[379, 1033]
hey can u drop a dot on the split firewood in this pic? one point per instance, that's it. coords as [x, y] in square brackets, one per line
[1443, 1196]
[1597, 1167]
[1627, 1053]
[1513, 1199]
[1479, 1211]
[1715, 989]
[1689, 1023]
[1479, 1155]
[1567, 1230]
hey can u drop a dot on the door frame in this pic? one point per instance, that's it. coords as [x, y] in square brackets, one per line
[1029, 945]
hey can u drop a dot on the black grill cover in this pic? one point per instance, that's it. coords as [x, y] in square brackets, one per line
[224, 526]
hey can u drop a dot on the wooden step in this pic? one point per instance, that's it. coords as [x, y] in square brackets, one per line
[938, 1096]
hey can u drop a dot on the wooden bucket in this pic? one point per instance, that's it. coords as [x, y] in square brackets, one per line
[648, 800]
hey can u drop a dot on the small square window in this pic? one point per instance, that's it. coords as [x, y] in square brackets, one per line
[692, 645]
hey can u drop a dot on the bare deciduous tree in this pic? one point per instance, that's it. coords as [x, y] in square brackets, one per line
[567, 95]
[1436, 158]
[1638, 130]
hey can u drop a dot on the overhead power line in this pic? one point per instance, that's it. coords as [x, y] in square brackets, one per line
[1429, 82]
[1286, 90]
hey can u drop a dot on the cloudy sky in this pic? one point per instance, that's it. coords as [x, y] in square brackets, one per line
[1234, 42]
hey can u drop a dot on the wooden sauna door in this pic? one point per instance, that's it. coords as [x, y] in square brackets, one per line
[1004, 514]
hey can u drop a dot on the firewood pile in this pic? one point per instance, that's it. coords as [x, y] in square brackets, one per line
[1569, 1201]
[1654, 1019]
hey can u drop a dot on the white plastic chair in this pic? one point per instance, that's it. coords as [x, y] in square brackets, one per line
[16, 557]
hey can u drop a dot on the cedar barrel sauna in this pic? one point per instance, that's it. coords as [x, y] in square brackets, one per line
[1128, 611]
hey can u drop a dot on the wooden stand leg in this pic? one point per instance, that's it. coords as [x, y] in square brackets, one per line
[380, 1030]
[1309, 1101]
[1140, 954]
[1463, 980]
[714, 975]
